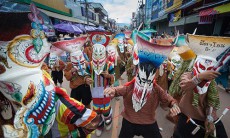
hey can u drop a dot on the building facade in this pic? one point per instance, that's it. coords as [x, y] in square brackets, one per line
[208, 16]
[88, 13]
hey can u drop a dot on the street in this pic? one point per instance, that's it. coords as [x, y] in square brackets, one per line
[166, 125]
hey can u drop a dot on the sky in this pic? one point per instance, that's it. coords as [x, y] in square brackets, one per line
[121, 9]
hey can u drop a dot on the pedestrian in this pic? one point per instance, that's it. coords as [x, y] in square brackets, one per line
[142, 95]
[57, 72]
[100, 76]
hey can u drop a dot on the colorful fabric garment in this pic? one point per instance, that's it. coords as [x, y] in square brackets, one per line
[105, 82]
[174, 89]
[146, 115]
[70, 115]
[101, 105]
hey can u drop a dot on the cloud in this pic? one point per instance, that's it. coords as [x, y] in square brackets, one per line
[120, 10]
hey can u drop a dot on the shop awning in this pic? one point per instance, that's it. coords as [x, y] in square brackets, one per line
[62, 17]
[223, 8]
[207, 15]
[216, 10]
[208, 12]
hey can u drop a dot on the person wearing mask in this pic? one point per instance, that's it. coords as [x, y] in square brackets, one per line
[142, 95]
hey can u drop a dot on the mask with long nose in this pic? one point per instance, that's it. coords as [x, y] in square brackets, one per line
[99, 58]
[78, 61]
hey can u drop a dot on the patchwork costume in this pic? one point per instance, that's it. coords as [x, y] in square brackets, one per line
[95, 68]
[36, 104]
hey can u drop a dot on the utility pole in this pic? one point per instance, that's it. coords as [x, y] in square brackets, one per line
[86, 10]
[141, 11]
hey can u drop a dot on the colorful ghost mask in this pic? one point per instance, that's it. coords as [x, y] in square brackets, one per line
[99, 58]
[207, 48]
[78, 61]
[150, 58]
[112, 53]
[74, 47]
[120, 37]
[22, 81]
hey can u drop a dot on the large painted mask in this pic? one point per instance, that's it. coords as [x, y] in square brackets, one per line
[207, 48]
[150, 58]
[74, 47]
[23, 47]
[99, 58]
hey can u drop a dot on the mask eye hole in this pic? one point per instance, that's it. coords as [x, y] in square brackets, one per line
[202, 67]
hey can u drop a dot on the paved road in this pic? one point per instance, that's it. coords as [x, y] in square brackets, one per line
[167, 126]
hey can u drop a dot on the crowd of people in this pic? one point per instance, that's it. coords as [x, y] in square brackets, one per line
[172, 83]
[180, 78]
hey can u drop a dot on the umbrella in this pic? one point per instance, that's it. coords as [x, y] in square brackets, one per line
[100, 28]
[81, 26]
[67, 27]
[90, 28]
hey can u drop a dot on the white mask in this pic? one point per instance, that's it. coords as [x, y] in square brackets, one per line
[112, 54]
[99, 58]
[24, 83]
[78, 61]
[121, 45]
[143, 87]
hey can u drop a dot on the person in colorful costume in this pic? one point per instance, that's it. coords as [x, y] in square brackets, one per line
[142, 95]
[113, 57]
[188, 58]
[174, 62]
[75, 70]
[100, 76]
[122, 57]
[200, 99]
[30, 103]
[130, 67]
